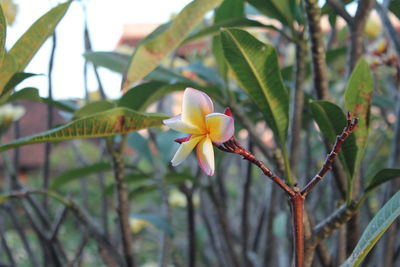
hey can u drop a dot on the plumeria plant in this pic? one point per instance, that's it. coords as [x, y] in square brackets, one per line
[285, 79]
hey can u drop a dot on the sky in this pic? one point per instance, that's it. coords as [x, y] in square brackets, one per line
[105, 19]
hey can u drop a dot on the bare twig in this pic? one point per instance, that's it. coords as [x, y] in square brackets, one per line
[232, 146]
[245, 210]
[46, 170]
[123, 199]
[298, 105]
[351, 124]
[317, 49]
[339, 9]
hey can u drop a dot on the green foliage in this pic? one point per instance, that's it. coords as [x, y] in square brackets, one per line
[3, 34]
[93, 108]
[331, 121]
[255, 66]
[375, 229]
[111, 60]
[107, 123]
[357, 99]
[382, 176]
[30, 42]
[78, 173]
[152, 50]
[277, 9]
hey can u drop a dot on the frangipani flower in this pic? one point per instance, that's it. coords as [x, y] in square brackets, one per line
[204, 127]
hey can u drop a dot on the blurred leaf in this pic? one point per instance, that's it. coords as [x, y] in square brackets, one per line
[255, 66]
[141, 96]
[179, 178]
[16, 79]
[158, 221]
[357, 99]
[327, 9]
[381, 177]
[107, 123]
[30, 42]
[132, 178]
[205, 73]
[335, 53]
[149, 53]
[375, 229]
[3, 34]
[227, 23]
[331, 121]
[228, 10]
[276, 9]
[63, 105]
[111, 60]
[93, 108]
[74, 174]
[30, 93]
[141, 145]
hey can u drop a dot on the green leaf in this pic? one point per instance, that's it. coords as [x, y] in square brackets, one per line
[3, 34]
[331, 121]
[93, 108]
[357, 99]
[158, 221]
[30, 93]
[228, 23]
[107, 123]
[381, 177]
[375, 229]
[141, 96]
[30, 42]
[150, 52]
[228, 10]
[111, 60]
[74, 174]
[394, 7]
[255, 66]
[276, 9]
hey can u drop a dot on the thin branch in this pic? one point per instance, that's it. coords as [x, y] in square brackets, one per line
[298, 105]
[11, 210]
[5, 245]
[123, 199]
[332, 223]
[46, 168]
[245, 210]
[351, 124]
[320, 71]
[340, 10]
[232, 146]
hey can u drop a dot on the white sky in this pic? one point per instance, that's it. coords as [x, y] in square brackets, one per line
[105, 18]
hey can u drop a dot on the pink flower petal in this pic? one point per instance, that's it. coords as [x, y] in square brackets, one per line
[183, 139]
[205, 156]
[220, 127]
[228, 112]
[176, 123]
[195, 106]
[184, 150]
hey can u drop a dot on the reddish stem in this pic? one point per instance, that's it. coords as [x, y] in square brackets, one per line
[351, 125]
[297, 207]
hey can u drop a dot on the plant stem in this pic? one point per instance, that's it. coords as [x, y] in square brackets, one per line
[297, 207]
[123, 199]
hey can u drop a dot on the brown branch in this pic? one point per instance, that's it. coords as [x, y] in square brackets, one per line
[340, 10]
[351, 124]
[317, 49]
[232, 146]
[298, 105]
[122, 199]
